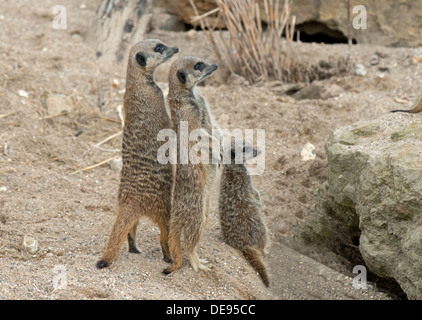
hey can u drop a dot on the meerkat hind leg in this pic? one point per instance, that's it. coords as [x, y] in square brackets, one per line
[175, 250]
[124, 222]
[131, 240]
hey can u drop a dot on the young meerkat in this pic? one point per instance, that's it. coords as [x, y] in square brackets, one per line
[242, 223]
[193, 182]
[145, 184]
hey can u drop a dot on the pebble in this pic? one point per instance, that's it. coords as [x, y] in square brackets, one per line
[23, 93]
[116, 164]
[308, 152]
[30, 244]
[360, 70]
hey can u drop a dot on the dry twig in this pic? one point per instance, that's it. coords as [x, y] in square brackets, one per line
[95, 165]
[251, 51]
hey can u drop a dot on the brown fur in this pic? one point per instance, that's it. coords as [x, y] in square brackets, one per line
[417, 107]
[145, 184]
[242, 223]
[192, 181]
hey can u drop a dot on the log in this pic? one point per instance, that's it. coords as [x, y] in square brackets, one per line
[119, 24]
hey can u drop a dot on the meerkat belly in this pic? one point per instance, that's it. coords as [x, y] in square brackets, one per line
[142, 173]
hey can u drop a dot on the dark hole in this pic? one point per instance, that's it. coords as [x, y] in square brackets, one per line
[313, 31]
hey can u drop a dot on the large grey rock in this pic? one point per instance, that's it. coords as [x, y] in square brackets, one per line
[375, 189]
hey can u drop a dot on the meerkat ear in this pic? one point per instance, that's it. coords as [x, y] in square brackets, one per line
[182, 76]
[141, 59]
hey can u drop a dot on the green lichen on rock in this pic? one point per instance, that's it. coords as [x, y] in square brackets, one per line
[414, 130]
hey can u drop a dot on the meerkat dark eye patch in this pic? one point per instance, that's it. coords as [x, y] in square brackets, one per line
[141, 59]
[159, 48]
[182, 76]
[199, 66]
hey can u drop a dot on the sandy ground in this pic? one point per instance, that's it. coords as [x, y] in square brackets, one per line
[70, 215]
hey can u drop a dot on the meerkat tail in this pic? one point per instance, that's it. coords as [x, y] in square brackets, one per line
[407, 111]
[416, 109]
[255, 260]
[164, 238]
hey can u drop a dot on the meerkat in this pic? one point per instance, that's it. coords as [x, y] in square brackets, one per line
[417, 107]
[242, 224]
[192, 181]
[145, 184]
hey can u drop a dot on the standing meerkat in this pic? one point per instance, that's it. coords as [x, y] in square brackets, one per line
[145, 184]
[192, 181]
[242, 223]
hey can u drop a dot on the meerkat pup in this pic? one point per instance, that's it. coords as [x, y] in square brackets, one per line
[242, 223]
[145, 184]
[193, 182]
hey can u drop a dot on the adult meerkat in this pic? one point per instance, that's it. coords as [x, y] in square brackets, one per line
[242, 223]
[145, 184]
[417, 107]
[192, 181]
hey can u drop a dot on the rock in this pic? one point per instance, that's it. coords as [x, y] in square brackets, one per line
[360, 70]
[184, 10]
[387, 21]
[374, 193]
[30, 244]
[116, 164]
[162, 20]
[58, 103]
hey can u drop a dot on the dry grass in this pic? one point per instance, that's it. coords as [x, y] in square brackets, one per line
[252, 51]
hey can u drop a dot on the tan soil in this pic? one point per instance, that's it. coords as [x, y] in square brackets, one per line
[70, 215]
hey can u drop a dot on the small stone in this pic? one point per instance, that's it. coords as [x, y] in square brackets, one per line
[308, 152]
[23, 93]
[375, 60]
[30, 244]
[115, 84]
[116, 164]
[360, 70]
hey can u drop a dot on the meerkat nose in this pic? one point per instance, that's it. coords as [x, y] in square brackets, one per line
[176, 49]
[215, 66]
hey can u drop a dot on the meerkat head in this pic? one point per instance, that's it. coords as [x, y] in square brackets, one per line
[148, 54]
[188, 71]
